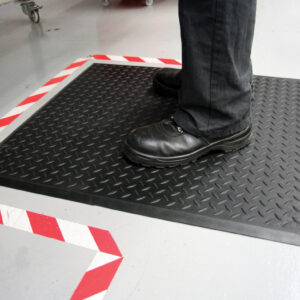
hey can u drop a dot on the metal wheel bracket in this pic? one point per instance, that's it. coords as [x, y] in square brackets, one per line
[31, 9]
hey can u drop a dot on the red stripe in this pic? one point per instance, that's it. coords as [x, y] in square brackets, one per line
[45, 226]
[101, 57]
[32, 99]
[8, 120]
[104, 241]
[96, 281]
[134, 59]
[76, 64]
[170, 61]
[1, 221]
[56, 80]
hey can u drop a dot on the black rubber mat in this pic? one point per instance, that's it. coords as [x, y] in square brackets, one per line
[72, 148]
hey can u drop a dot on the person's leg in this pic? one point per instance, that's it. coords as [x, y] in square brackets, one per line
[214, 104]
[215, 94]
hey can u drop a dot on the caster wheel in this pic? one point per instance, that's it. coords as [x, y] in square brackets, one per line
[34, 16]
[148, 2]
[105, 2]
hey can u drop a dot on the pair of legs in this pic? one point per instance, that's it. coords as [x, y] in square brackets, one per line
[214, 86]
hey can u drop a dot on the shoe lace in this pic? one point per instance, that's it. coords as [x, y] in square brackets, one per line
[179, 129]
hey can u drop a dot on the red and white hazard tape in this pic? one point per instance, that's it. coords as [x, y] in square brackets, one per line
[38, 94]
[47, 87]
[107, 258]
[103, 267]
[138, 59]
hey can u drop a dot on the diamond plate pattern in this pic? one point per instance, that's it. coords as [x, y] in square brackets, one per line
[73, 148]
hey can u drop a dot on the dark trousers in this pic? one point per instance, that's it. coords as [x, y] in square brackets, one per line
[215, 98]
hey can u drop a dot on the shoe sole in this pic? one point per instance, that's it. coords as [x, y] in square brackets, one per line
[164, 90]
[233, 143]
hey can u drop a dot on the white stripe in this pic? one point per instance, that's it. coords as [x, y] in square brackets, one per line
[80, 59]
[15, 217]
[178, 60]
[151, 60]
[99, 296]
[117, 58]
[156, 60]
[1, 128]
[77, 234]
[44, 89]
[66, 72]
[71, 70]
[18, 110]
[101, 259]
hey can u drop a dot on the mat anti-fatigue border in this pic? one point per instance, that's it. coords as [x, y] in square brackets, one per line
[72, 148]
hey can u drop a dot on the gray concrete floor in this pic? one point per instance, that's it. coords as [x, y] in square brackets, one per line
[163, 260]
[30, 54]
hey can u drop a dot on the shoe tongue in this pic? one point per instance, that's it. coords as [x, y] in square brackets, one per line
[170, 125]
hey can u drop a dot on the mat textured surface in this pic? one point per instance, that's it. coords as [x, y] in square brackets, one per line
[72, 148]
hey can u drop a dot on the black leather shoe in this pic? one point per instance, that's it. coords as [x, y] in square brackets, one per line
[167, 82]
[165, 144]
